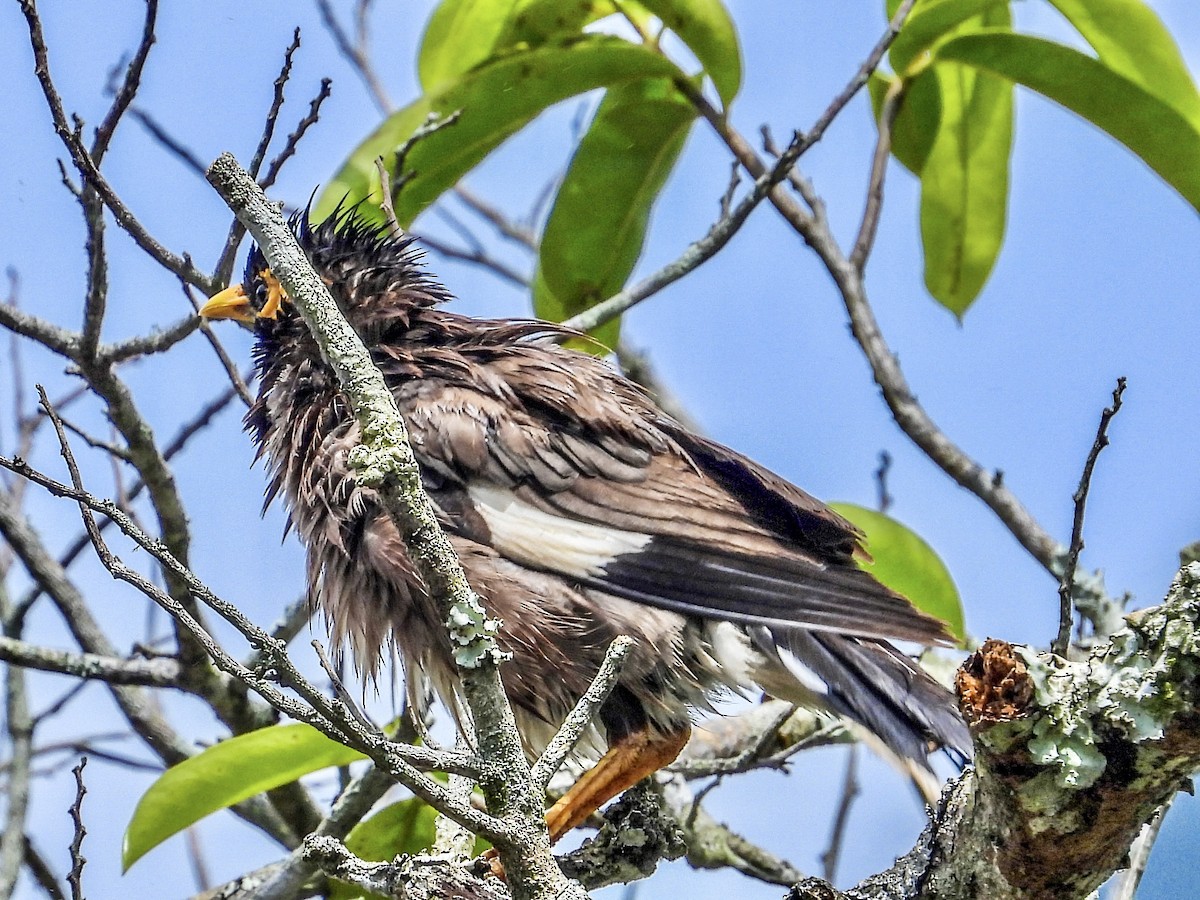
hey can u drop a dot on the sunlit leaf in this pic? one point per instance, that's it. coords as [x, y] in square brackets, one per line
[225, 774]
[708, 31]
[601, 340]
[964, 184]
[916, 124]
[495, 100]
[596, 228]
[1130, 39]
[907, 564]
[1155, 130]
[459, 36]
[538, 21]
[930, 21]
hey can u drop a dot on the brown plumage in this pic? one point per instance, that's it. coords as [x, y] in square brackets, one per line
[580, 512]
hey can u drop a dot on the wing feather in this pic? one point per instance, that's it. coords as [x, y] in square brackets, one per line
[672, 520]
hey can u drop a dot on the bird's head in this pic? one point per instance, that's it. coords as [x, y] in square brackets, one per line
[375, 276]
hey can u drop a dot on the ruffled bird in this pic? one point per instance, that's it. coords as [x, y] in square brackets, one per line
[580, 512]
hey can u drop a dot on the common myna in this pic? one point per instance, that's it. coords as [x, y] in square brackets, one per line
[580, 512]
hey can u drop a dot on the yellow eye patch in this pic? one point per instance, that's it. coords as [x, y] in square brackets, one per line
[275, 295]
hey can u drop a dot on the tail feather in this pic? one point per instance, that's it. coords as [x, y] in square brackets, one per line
[873, 684]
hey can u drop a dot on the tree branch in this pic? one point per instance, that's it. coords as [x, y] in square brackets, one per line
[1066, 585]
[1072, 759]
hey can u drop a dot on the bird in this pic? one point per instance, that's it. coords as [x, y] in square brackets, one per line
[580, 512]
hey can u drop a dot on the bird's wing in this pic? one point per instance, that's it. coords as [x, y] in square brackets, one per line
[596, 486]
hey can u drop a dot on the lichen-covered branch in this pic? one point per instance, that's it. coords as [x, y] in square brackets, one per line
[1072, 759]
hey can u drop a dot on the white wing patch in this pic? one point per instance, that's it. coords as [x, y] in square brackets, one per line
[542, 540]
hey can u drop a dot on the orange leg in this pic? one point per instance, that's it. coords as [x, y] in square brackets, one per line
[625, 764]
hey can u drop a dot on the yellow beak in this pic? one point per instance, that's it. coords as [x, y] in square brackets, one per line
[231, 303]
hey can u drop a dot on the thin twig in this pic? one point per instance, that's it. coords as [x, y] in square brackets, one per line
[519, 234]
[432, 125]
[123, 96]
[168, 142]
[75, 877]
[385, 200]
[339, 687]
[580, 718]
[328, 716]
[879, 164]
[477, 257]
[1066, 584]
[41, 872]
[696, 254]
[356, 52]
[292, 142]
[281, 80]
[87, 166]
[850, 790]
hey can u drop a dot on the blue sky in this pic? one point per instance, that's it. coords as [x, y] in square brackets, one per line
[1097, 279]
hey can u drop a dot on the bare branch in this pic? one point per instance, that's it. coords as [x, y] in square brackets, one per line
[879, 163]
[521, 235]
[1066, 584]
[19, 725]
[144, 345]
[356, 52]
[580, 718]
[293, 140]
[325, 715]
[41, 872]
[189, 159]
[75, 877]
[51, 336]
[162, 672]
[351, 805]
[478, 257]
[281, 80]
[712, 845]
[850, 790]
[88, 169]
[124, 95]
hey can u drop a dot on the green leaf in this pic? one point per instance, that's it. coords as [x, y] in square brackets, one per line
[930, 21]
[905, 563]
[459, 36]
[225, 774]
[549, 307]
[496, 100]
[964, 184]
[538, 21]
[596, 229]
[708, 31]
[1131, 40]
[1155, 130]
[462, 34]
[917, 122]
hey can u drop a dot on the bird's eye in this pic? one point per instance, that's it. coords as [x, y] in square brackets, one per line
[261, 295]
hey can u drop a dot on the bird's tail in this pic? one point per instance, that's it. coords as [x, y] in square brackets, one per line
[871, 683]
